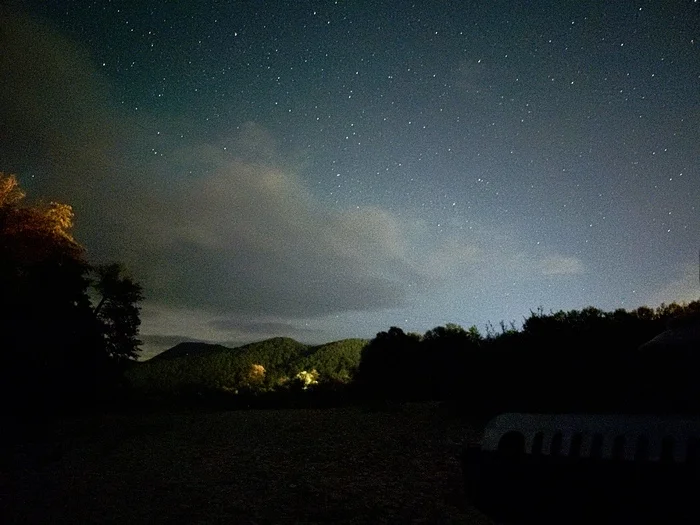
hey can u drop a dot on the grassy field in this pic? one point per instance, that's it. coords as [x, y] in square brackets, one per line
[344, 465]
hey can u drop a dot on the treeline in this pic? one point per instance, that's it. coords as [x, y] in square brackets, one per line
[578, 360]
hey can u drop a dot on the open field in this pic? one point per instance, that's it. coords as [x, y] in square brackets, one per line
[344, 465]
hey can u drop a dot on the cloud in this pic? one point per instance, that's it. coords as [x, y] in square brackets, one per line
[250, 238]
[231, 231]
[167, 341]
[261, 328]
[684, 288]
[560, 265]
[453, 256]
[493, 254]
[167, 326]
[53, 105]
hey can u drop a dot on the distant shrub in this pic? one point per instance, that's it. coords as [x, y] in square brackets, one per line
[306, 379]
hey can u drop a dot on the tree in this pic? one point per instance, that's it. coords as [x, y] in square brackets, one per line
[43, 299]
[390, 366]
[54, 345]
[10, 192]
[118, 311]
[449, 354]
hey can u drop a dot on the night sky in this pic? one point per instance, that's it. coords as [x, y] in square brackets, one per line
[324, 170]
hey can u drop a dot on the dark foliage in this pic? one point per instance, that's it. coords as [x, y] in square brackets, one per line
[56, 350]
[580, 360]
[447, 353]
[390, 367]
[117, 312]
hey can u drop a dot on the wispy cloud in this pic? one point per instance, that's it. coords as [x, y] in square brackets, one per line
[560, 265]
[684, 287]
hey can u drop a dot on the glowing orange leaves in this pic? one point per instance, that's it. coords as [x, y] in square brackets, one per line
[34, 232]
[10, 192]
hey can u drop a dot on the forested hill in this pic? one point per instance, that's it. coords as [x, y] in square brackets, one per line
[265, 363]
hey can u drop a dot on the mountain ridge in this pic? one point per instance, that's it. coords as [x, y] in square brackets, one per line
[195, 348]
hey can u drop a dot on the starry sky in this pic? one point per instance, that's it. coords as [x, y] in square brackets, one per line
[329, 169]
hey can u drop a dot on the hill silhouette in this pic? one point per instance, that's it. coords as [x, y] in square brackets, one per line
[189, 348]
[202, 366]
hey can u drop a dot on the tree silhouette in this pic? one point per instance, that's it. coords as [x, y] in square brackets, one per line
[54, 346]
[118, 311]
[449, 355]
[390, 366]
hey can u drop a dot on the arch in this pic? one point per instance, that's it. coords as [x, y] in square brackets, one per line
[597, 446]
[576, 444]
[556, 445]
[618, 448]
[512, 444]
[641, 449]
[667, 446]
[537, 444]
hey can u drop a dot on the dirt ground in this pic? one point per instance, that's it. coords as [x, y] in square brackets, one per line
[344, 465]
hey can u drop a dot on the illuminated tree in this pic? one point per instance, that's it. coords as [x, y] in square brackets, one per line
[10, 192]
[307, 378]
[256, 374]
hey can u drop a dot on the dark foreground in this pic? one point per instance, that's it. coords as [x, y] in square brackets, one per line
[344, 465]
